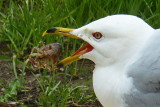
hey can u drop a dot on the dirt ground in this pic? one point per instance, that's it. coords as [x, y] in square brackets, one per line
[28, 98]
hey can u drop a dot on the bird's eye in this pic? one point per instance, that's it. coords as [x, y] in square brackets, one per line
[97, 35]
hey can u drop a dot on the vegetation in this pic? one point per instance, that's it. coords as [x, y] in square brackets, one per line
[22, 23]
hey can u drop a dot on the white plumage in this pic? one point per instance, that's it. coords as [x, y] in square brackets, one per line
[124, 38]
[126, 53]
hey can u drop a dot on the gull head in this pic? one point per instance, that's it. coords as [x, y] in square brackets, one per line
[113, 37]
[109, 40]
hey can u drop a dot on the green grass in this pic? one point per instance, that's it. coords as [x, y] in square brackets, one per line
[22, 23]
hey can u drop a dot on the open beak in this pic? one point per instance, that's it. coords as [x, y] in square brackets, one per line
[66, 32]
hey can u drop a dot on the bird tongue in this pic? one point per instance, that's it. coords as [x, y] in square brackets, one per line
[84, 49]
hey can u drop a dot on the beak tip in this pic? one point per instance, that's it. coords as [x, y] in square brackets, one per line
[44, 33]
[51, 30]
[60, 65]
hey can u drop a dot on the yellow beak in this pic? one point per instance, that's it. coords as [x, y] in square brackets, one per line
[60, 31]
[66, 32]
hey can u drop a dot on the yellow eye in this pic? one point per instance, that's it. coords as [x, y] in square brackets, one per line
[97, 35]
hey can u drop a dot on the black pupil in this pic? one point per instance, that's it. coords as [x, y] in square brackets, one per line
[98, 35]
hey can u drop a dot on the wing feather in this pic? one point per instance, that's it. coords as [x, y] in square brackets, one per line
[145, 73]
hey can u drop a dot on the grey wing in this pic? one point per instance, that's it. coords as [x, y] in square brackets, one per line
[145, 73]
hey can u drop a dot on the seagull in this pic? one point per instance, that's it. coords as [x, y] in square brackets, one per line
[126, 53]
